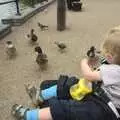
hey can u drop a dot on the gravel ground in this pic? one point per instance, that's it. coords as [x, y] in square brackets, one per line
[84, 29]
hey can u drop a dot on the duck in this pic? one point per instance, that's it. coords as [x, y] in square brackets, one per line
[41, 58]
[91, 52]
[32, 36]
[42, 27]
[10, 49]
[61, 46]
[94, 58]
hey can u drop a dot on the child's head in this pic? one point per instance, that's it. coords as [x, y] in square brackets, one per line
[114, 30]
[111, 48]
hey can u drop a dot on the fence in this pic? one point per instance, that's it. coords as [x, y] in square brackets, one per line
[12, 7]
[8, 8]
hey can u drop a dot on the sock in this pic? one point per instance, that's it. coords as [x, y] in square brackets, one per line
[49, 93]
[32, 114]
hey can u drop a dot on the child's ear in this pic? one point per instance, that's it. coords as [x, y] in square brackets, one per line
[109, 58]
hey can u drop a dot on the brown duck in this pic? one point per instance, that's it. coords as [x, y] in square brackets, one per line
[42, 27]
[10, 49]
[41, 57]
[33, 37]
[61, 46]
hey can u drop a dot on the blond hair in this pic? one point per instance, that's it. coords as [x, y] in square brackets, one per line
[111, 45]
[114, 30]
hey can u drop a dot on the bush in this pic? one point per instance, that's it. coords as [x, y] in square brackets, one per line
[30, 2]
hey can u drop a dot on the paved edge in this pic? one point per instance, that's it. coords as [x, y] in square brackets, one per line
[5, 30]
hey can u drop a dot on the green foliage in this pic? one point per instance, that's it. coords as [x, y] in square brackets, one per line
[30, 2]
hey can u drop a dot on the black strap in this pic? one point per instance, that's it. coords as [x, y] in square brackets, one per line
[105, 107]
[64, 84]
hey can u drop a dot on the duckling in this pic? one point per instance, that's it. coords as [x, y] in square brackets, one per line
[10, 49]
[42, 27]
[33, 37]
[61, 46]
[94, 57]
[91, 52]
[41, 59]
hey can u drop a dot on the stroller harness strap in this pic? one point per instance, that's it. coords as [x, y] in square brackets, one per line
[101, 94]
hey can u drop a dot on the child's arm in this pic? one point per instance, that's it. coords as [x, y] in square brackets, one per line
[88, 73]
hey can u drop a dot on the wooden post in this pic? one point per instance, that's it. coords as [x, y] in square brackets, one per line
[61, 15]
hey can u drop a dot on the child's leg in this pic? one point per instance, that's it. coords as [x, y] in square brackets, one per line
[38, 114]
[59, 89]
[48, 83]
[38, 96]
[45, 114]
[49, 92]
[23, 113]
[67, 110]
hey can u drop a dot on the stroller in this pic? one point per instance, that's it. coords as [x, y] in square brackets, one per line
[74, 5]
